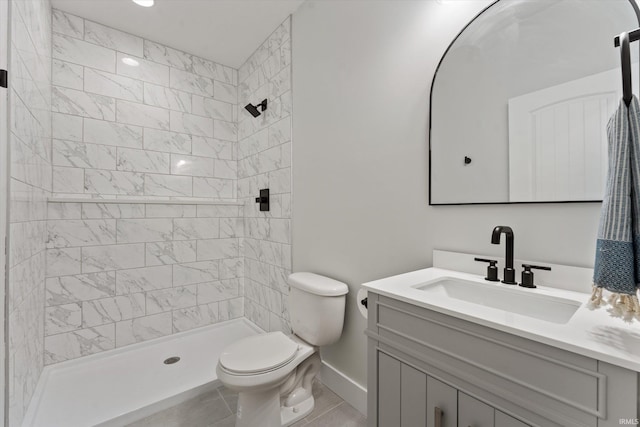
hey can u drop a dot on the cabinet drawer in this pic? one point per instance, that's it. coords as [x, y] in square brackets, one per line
[473, 413]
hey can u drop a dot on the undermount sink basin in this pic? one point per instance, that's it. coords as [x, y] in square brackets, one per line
[524, 302]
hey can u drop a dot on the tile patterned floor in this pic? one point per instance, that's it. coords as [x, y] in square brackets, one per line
[218, 407]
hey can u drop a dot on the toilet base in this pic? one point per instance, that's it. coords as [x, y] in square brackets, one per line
[291, 414]
[264, 410]
[258, 409]
[281, 401]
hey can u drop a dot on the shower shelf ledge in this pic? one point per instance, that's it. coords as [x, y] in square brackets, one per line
[191, 201]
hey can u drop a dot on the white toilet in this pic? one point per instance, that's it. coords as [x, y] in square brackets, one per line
[273, 372]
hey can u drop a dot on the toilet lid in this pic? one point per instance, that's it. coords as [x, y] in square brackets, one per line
[260, 353]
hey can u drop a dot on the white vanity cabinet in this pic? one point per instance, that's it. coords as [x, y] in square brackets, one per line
[430, 369]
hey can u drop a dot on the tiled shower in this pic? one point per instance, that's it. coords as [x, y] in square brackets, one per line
[133, 188]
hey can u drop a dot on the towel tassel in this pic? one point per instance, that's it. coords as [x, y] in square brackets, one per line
[625, 303]
[614, 298]
[637, 304]
[596, 296]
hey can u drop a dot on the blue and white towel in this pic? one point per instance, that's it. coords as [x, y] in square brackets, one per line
[617, 266]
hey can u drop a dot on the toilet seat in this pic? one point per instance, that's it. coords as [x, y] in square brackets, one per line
[258, 354]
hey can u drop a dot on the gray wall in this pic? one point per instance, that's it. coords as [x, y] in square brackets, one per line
[362, 72]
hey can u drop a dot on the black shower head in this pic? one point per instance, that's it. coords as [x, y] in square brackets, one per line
[253, 109]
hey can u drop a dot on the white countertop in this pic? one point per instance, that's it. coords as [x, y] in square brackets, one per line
[592, 332]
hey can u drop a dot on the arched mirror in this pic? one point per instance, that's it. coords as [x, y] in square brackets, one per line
[521, 99]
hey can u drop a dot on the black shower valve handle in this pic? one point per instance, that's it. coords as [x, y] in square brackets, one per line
[492, 269]
[263, 199]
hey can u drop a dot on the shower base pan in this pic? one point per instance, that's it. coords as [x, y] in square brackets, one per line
[127, 384]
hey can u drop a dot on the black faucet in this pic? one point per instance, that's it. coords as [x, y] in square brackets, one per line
[509, 272]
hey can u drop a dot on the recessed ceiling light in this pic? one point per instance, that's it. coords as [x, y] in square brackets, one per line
[144, 3]
[130, 61]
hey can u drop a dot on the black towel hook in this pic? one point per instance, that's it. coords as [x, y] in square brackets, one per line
[625, 61]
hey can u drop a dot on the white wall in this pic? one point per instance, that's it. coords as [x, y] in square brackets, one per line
[362, 72]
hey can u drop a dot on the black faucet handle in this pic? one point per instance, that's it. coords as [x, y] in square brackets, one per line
[527, 274]
[492, 270]
[528, 267]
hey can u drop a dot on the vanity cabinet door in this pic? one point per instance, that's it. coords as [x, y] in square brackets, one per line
[388, 391]
[413, 394]
[504, 420]
[473, 413]
[442, 404]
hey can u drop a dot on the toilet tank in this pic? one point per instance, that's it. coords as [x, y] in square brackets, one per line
[316, 307]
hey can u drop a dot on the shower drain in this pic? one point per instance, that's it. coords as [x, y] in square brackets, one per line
[171, 360]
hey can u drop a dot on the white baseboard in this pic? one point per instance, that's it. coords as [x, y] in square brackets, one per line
[352, 392]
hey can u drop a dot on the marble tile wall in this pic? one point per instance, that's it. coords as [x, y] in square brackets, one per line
[119, 274]
[122, 273]
[166, 128]
[264, 161]
[30, 185]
